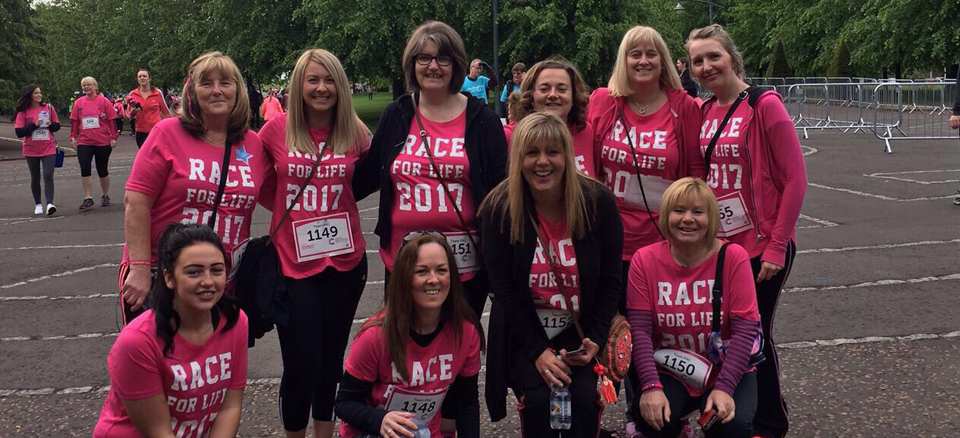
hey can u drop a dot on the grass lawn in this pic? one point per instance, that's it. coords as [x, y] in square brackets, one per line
[369, 110]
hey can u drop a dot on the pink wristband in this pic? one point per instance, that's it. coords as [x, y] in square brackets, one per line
[139, 263]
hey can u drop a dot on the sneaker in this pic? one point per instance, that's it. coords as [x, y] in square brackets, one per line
[104, 201]
[38, 209]
[51, 209]
[87, 203]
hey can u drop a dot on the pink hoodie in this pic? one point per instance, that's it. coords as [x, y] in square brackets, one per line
[602, 114]
[777, 174]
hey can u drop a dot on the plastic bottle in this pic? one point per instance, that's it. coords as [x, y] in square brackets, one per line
[561, 416]
[423, 431]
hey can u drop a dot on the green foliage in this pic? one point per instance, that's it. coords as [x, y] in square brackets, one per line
[20, 50]
[778, 63]
[840, 64]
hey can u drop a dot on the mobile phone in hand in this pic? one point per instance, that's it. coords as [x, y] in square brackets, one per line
[577, 352]
[707, 419]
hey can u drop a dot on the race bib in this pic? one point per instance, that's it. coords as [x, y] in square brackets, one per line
[91, 122]
[554, 321]
[235, 258]
[321, 237]
[692, 369]
[424, 405]
[41, 134]
[733, 215]
[653, 187]
[463, 251]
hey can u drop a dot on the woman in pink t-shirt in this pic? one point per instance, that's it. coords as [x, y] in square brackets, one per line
[180, 368]
[177, 174]
[94, 135]
[319, 243]
[555, 86]
[537, 292]
[670, 306]
[759, 177]
[35, 122]
[421, 351]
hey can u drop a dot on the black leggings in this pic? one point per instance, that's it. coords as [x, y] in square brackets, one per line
[141, 138]
[33, 163]
[322, 308]
[772, 416]
[682, 404]
[118, 122]
[87, 153]
[534, 407]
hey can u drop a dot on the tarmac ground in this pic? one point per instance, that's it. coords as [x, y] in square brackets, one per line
[867, 327]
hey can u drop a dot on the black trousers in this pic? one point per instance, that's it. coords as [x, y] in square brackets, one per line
[141, 138]
[772, 419]
[534, 407]
[87, 154]
[322, 308]
[33, 163]
[682, 404]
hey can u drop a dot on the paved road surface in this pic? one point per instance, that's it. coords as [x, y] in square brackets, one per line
[868, 325]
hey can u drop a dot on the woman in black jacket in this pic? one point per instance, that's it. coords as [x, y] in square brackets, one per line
[544, 199]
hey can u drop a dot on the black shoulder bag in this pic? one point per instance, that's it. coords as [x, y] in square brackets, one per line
[636, 167]
[716, 348]
[224, 167]
[716, 135]
[261, 290]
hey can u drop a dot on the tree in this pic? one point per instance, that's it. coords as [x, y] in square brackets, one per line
[20, 46]
[778, 63]
[840, 64]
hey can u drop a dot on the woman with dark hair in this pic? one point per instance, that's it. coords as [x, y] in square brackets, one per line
[180, 368]
[671, 303]
[421, 350]
[176, 176]
[555, 86]
[683, 66]
[324, 277]
[757, 172]
[513, 85]
[556, 278]
[35, 122]
[434, 156]
[147, 107]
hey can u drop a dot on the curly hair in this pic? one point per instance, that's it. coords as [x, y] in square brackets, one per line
[581, 94]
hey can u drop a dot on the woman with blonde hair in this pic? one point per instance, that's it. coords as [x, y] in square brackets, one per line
[756, 169]
[555, 278]
[205, 166]
[93, 134]
[555, 85]
[314, 149]
[679, 308]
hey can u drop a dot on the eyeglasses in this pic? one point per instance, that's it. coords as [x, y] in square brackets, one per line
[442, 60]
[418, 233]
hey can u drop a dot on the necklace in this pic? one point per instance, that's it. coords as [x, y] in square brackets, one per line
[209, 140]
[643, 109]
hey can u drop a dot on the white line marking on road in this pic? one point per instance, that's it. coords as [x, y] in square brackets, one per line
[881, 246]
[820, 223]
[889, 175]
[810, 150]
[60, 274]
[368, 209]
[34, 220]
[871, 195]
[58, 298]
[58, 337]
[28, 248]
[887, 282]
[15, 218]
[276, 380]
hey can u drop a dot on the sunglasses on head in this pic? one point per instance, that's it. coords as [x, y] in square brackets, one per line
[415, 234]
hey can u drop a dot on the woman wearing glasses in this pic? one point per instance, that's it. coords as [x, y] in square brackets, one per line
[549, 303]
[436, 185]
[390, 392]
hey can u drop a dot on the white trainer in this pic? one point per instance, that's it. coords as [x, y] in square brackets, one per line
[38, 209]
[51, 209]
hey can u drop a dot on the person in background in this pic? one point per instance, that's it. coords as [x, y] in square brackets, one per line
[477, 84]
[955, 121]
[512, 85]
[271, 107]
[93, 134]
[146, 106]
[35, 122]
[121, 114]
[683, 66]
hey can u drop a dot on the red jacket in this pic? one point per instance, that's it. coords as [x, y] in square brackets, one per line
[152, 107]
[602, 114]
[778, 176]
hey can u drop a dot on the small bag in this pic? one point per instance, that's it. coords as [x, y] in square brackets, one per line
[716, 346]
[261, 288]
[58, 162]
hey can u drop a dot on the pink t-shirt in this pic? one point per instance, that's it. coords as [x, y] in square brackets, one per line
[680, 297]
[182, 172]
[40, 142]
[323, 227]
[271, 108]
[432, 370]
[194, 379]
[582, 147]
[551, 303]
[91, 121]
[658, 157]
[729, 173]
[419, 200]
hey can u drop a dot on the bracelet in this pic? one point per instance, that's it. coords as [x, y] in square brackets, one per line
[650, 386]
[139, 263]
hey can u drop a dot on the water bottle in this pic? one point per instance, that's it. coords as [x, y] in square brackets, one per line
[423, 431]
[561, 415]
[44, 118]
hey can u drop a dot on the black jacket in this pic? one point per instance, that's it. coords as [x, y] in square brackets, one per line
[688, 84]
[484, 143]
[515, 332]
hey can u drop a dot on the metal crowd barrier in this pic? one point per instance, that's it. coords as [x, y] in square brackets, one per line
[913, 111]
